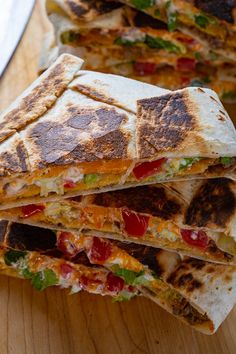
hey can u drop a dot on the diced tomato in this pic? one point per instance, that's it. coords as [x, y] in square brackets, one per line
[195, 238]
[31, 209]
[114, 283]
[187, 40]
[84, 281]
[185, 81]
[186, 64]
[135, 224]
[65, 245]
[100, 251]
[146, 169]
[145, 68]
[69, 184]
[66, 270]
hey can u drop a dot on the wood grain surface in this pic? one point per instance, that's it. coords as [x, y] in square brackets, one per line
[54, 322]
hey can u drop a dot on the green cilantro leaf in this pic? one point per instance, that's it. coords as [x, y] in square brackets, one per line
[43, 279]
[142, 4]
[91, 178]
[172, 21]
[128, 275]
[161, 44]
[203, 20]
[226, 160]
[11, 256]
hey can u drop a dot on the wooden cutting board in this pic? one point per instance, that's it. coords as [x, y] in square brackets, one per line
[54, 322]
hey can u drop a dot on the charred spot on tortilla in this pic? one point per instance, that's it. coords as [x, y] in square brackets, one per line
[222, 9]
[143, 20]
[163, 123]
[92, 93]
[145, 199]
[86, 135]
[31, 238]
[181, 307]
[22, 156]
[185, 280]
[194, 263]
[213, 203]
[146, 255]
[13, 162]
[83, 7]
[51, 86]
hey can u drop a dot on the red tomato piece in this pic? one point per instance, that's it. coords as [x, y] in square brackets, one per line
[145, 68]
[65, 245]
[187, 40]
[195, 238]
[114, 283]
[31, 209]
[186, 64]
[135, 224]
[66, 270]
[100, 251]
[69, 184]
[147, 169]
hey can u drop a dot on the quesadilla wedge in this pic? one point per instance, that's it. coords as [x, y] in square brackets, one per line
[136, 34]
[78, 132]
[195, 218]
[182, 287]
[216, 32]
[144, 68]
[128, 42]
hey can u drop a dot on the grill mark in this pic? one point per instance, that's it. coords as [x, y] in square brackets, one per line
[144, 199]
[163, 123]
[214, 203]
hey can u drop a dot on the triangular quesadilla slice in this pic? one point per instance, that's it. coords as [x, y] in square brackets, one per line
[78, 132]
[195, 218]
[121, 270]
[190, 17]
[128, 42]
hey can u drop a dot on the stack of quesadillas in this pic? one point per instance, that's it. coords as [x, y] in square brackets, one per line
[102, 176]
[171, 44]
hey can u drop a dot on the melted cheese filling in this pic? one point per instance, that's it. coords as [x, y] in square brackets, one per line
[77, 179]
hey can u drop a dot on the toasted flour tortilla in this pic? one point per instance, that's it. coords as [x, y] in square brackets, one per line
[211, 22]
[78, 132]
[194, 291]
[128, 42]
[195, 218]
[124, 27]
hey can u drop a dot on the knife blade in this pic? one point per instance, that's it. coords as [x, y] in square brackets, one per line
[14, 16]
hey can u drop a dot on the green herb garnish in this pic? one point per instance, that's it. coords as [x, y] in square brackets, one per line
[12, 257]
[91, 178]
[43, 279]
[203, 20]
[142, 4]
[226, 161]
[124, 41]
[157, 13]
[188, 162]
[198, 56]
[172, 21]
[129, 276]
[161, 44]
